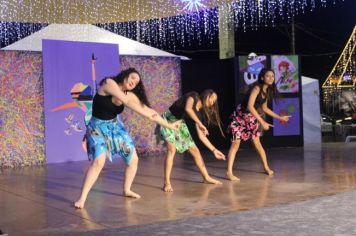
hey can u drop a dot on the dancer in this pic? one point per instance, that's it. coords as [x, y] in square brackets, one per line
[195, 107]
[107, 137]
[247, 119]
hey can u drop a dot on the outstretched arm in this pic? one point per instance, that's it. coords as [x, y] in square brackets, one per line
[272, 114]
[218, 155]
[135, 104]
[131, 101]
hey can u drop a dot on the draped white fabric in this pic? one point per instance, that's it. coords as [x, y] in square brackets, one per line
[311, 111]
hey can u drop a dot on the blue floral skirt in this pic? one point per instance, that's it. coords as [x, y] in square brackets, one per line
[109, 137]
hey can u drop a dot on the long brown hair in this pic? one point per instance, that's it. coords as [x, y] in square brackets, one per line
[272, 91]
[211, 114]
[139, 90]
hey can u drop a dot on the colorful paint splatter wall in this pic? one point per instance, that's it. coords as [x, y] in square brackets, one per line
[162, 80]
[21, 109]
[21, 104]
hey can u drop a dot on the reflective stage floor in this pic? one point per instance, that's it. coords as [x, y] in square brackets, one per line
[38, 200]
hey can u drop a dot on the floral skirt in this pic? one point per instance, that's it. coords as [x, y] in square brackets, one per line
[181, 138]
[243, 125]
[109, 137]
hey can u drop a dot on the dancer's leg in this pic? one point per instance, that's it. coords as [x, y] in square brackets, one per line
[168, 164]
[261, 152]
[130, 173]
[231, 158]
[194, 151]
[90, 177]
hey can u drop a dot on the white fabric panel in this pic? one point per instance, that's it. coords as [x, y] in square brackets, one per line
[311, 111]
[86, 33]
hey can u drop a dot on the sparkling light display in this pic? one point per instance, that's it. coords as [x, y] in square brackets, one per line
[344, 72]
[160, 23]
[339, 89]
[193, 5]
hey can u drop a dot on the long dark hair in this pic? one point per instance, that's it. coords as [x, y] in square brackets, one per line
[272, 91]
[211, 114]
[139, 89]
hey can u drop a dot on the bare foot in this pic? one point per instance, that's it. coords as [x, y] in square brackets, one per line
[232, 177]
[79, 204]
[167, 188]
[210, 180]
[131, 194]
[269, 172]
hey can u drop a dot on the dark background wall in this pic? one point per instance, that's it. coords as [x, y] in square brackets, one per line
[320, 37]
[222, 76]
[218, 75]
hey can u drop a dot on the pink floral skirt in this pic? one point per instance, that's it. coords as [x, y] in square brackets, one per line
[243, 125]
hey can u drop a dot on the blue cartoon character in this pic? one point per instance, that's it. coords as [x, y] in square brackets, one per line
[254, 67]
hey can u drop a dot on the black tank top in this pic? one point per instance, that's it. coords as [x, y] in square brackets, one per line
[178, 107]
[258, 102]
[104, 108]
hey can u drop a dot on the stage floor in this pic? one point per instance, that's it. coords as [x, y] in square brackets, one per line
[38, 200]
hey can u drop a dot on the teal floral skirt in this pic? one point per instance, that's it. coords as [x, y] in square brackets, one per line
[181, 138]
[109, 137]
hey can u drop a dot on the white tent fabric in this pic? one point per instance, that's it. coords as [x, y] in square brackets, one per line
[86, 33]
[311, 111]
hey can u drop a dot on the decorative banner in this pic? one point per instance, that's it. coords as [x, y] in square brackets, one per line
[285, 107]
[70, 71]
[161, 77]
[250, 66]
[286, 71]
[21, 110]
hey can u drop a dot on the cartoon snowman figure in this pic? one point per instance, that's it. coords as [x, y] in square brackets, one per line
[254, 67]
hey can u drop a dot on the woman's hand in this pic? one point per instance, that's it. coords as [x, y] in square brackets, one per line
[175, 125]
[284, 118]
[266, 125]
[203, 129]
[218, 155]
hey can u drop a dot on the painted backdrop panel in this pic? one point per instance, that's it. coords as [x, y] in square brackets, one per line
[249, 69]
[286, 69]
[68, 90]
[287, 106]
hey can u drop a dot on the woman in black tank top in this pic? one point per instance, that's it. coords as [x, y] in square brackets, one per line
[194, 107]
[106, 137]
[246, 120]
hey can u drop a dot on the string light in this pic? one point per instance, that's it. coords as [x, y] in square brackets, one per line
[341, 81]
[160, 23]
[193, 5]
[344, 72]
